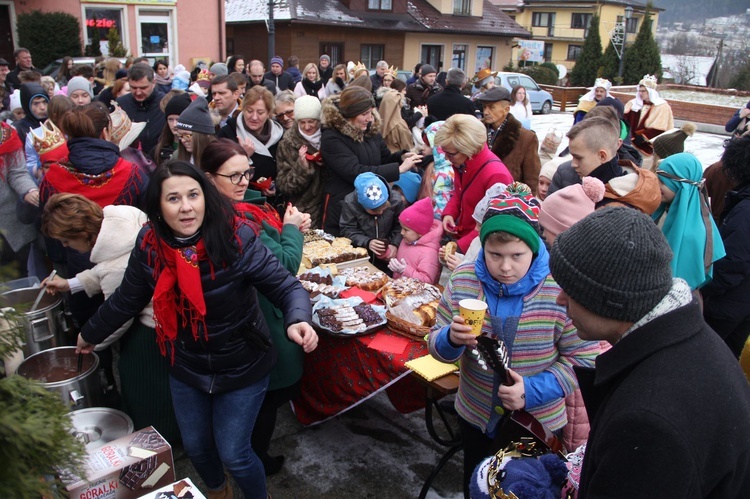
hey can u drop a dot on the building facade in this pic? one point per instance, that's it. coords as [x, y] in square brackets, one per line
[180, 31]
[470, 34]
[562, 25]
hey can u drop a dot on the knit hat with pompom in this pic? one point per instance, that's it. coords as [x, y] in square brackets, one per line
[563, 208]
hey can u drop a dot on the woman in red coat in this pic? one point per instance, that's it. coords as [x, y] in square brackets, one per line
[463, 140]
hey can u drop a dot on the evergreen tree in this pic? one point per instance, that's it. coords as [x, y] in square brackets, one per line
[610, 63]
[587, 66]
[642, 57]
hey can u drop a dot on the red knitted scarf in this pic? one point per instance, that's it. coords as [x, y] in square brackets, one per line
[259, 214]
[178, 292]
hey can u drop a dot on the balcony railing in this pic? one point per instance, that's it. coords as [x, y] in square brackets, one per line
[564, 31]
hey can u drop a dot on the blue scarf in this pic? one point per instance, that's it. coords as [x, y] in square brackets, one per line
[688, 225]
[511, 304]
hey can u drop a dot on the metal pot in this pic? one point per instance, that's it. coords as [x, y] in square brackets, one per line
[98, 426]
[45, 327]
[57, 370]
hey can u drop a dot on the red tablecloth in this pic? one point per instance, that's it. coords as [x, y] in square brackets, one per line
[343, 372]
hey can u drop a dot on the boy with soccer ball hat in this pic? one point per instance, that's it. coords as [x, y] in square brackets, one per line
[369, 217]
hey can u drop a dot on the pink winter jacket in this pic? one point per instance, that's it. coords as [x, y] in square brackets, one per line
[576, 432]
[422, 256]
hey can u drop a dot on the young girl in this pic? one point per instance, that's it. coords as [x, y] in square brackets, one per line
[521, 107]
[417, 255]
[511, 274]
[685, 220]
[369, 217]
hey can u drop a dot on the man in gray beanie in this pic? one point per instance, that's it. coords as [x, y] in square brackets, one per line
[669, 405]
[424, 88]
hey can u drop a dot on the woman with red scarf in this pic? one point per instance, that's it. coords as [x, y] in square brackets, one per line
[204, 266]
[226, 166]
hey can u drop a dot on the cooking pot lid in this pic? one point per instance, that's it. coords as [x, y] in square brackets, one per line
[98, 426]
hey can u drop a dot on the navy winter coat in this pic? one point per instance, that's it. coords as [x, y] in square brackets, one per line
[238, 351]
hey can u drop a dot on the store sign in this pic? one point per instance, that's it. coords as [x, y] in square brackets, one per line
[531, 51]
[134, 2]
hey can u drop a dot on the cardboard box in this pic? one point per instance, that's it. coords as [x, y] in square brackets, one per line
[128, 467]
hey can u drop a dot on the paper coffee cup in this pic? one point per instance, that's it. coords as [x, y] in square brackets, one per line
[473, 312]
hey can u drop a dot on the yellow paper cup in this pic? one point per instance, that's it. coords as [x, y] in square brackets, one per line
[473, 312]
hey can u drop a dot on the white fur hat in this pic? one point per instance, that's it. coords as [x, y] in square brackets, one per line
[307, 107]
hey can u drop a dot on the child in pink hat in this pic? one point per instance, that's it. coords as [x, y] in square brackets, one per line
[417, 255]
[563, 208]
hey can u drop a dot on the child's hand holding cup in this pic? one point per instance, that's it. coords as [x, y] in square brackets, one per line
[473, 312]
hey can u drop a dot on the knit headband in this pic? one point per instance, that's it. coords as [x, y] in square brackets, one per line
[512, 225]
[357, 108]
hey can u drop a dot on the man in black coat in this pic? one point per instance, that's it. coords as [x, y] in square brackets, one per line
[279, 77]
[257, 77]
[451, 101]
[424, 88]
[23, 63]
[142, 104]
[669, 405]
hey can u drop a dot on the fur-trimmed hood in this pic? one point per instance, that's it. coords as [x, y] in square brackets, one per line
[506, 139]
[331, 118]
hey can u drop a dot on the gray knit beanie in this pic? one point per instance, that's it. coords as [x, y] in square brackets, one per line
[614, 262]
[197, 118]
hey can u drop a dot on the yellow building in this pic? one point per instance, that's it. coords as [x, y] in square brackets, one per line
[563, 25]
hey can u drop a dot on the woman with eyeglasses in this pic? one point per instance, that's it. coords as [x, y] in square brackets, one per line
[259, 136]
[284, 111]
[204, 267]
[463, 140]
[226, 166]
[195, 131]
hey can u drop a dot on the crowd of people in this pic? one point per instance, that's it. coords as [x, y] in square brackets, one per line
[181, 197]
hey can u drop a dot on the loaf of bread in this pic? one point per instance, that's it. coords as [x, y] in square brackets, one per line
[450, 248]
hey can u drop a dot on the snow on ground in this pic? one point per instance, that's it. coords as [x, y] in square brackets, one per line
[707, 147]
[702, 97]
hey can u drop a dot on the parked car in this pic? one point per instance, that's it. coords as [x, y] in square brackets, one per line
[53, 67]
[541, 100]
[402, 74]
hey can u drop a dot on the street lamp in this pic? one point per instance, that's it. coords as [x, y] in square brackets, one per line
[628, 15]
[272, 33]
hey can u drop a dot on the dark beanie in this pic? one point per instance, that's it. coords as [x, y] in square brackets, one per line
[426, 69]
[197, 118]
[612, 102]
[614, 263]
[671, 143]
[177, 105]
[363, 81]
[354, 101]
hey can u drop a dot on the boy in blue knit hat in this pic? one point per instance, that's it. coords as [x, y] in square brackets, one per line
[369, 217]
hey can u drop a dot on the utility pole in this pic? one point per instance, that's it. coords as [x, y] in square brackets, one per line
[628, 15]
[271, 33]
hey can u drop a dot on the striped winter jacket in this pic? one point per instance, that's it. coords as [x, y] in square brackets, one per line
[546, 340]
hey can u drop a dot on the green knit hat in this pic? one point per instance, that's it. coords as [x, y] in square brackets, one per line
[514, 214]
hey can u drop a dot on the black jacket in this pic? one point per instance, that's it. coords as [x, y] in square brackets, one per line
[450, 101]
[148, 111]
[325, 74]
[268, 84]
[12, 77]
[727, 296]
[566, 175]
[669, 408]
[284, 81]
[347, 152]
[237, 352]
[418, 94]
[29, 91]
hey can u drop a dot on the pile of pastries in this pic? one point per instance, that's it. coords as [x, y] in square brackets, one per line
[320, 249]
[347, 318]
[318, 284]
[364, 278]
[412, 300]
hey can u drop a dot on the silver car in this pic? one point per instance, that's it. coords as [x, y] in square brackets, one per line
[541, 100]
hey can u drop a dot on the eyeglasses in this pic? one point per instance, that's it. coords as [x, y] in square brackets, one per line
[236, 178]
[450, 155]
[287, 114]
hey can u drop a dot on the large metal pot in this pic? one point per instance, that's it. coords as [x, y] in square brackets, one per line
[57, 370]
[45, 327]
[97, 426]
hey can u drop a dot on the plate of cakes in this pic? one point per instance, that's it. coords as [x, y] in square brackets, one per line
[347, 317]
[321, 248]
[322, 281]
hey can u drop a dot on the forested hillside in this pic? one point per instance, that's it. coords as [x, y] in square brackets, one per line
[698, 10]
